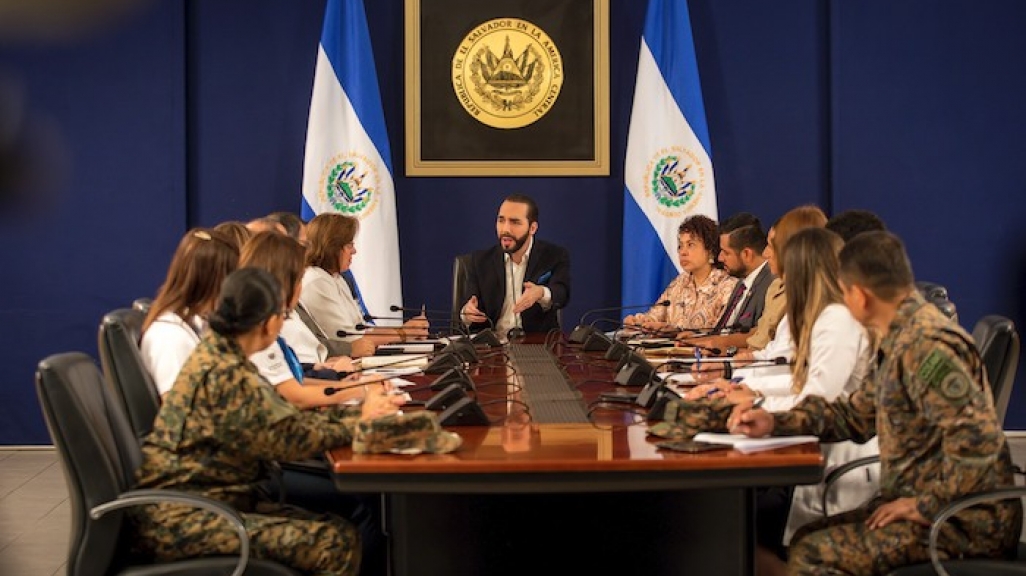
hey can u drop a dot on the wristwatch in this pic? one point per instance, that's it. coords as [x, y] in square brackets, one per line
[731, 350]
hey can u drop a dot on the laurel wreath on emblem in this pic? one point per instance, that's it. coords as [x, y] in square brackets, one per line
[669, 183]
[346, 192]
[504, 99]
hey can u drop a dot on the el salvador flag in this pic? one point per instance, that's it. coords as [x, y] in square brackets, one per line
[347, 167]
[668, 172]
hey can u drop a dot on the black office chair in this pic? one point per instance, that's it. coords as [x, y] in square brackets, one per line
[129, 380]
[460, 273]
[938, 296]
[973, 566]
[998, 342]
[99, 454]
[142, 304]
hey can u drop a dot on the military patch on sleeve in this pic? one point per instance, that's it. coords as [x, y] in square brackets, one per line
[955, 387]
[936, 366]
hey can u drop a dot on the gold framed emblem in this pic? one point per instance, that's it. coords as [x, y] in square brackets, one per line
[507, 88]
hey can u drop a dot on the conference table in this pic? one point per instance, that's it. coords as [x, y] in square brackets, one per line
[532, 494]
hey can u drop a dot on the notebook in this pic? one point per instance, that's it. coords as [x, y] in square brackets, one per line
[747, 445]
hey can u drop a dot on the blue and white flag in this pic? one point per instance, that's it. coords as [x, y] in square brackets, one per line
[348, 166]
[668, 172]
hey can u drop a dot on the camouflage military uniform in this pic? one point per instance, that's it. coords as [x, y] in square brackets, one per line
[927, 399]
[217, 430]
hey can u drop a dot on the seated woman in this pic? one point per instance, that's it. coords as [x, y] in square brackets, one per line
[330, 300]
[236, 230]
[767, 341]
[175, 322]
[700, 293]
[219, 428]
[305, 385]
[831, 352]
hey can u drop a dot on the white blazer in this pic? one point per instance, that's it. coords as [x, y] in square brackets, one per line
[329, 300]
[839, 358]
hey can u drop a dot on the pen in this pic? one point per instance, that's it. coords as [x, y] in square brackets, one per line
[758, 403]
[698, 357]
[734, 380]
[423, 309]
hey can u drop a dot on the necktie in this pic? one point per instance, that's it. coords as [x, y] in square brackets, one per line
[290, 357]
[351, 281]
[732, 305]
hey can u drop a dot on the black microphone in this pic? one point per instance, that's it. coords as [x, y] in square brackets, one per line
[712, 331]
[418, 311]
[582, 331]
[429, 317]
[371, 317]
[380, 331]
[737, 363]
[616, 308]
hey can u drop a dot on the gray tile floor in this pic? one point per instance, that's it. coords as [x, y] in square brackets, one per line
[35, 513]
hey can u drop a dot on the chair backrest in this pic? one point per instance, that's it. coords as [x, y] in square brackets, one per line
[938, 296]
[97, 451]
[998, 342]
[460, 274]
[127, 376]
[142, 304]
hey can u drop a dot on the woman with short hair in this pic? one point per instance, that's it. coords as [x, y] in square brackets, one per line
[330, 300]
[697, 297]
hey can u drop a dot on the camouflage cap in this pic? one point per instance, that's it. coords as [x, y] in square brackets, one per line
[400, 433]
[685, 418]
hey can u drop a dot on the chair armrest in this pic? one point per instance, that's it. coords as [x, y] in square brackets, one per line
[835, 474]
[956, 506]
[140, 497]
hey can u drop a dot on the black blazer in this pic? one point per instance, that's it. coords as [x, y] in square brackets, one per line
[755, 300]
[548, 265]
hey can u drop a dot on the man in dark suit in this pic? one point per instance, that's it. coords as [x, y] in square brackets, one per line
[742, 243]
[520, 284]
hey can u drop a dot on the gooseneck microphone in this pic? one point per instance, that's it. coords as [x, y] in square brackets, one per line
[418, 311]
[581, 333]
[359, 330]
[620, 308]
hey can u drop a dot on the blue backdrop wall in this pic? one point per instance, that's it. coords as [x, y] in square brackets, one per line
[192, 113]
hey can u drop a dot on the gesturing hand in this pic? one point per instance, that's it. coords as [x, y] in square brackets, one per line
[532, 293]
[471, 313]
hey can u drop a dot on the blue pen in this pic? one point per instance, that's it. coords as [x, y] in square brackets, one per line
[544, 277]
[698, 357]
[734, 380]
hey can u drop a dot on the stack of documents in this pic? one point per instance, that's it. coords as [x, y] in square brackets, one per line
[747, 445]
